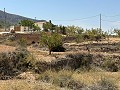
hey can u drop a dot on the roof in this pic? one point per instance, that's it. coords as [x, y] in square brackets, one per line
[40, 21]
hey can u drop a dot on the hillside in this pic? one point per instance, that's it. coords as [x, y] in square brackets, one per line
[12, 18]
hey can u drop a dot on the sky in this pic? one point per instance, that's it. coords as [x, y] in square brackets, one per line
[83, 13]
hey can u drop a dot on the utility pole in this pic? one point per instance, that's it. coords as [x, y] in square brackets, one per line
[100, 22]
[4, 19]
[35, 18]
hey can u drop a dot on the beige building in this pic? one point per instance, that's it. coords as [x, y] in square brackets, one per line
[20, 29]
[25, 29]
[40, 24]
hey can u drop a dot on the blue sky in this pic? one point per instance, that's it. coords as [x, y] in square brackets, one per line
[68, 12]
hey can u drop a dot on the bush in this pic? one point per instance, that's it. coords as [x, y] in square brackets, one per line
[13, 63]
[62, 79]
[82, 60]
[111, 65]
[79, 38]
[11, 38]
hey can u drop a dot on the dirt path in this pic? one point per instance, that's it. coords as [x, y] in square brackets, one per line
[5, 48]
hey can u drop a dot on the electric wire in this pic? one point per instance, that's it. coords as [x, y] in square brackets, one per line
[79, 18]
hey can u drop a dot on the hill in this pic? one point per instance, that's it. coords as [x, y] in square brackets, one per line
[12, 19]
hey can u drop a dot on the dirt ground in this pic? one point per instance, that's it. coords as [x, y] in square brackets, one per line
[5, 48]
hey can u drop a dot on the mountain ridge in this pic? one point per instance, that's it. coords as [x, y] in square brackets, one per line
[12, 19]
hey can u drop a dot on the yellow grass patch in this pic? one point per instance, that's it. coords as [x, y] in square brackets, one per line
[92, 77]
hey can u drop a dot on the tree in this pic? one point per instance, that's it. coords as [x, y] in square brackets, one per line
[36, 28]
[94, 34]
[51, 41]
[79, 30]
[48, 26]
[72, 30]
[27, 23]
[117, 31]
[63, 30]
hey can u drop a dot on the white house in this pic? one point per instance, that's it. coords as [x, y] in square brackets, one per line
[40, 24]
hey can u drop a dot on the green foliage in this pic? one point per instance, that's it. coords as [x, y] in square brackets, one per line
[51, 41]
[48, 26]
[71, 30]
[27, 23]
[60, 29]
[36, 28]
[94, 34]
[79, 38]
[117, 31]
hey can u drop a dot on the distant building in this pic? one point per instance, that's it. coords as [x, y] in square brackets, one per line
[20, 29]
[25, 29]
[40, 24]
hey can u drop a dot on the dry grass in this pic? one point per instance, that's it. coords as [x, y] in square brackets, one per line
[41, 55]
[92, 77]
[25, 85]
[117, 39]
[87, 78]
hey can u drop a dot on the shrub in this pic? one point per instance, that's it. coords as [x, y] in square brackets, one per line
[11, 38]
[13, 63]
[21, 44]
[82, 60]
[79, 38]
[62, 79]
[111, 65]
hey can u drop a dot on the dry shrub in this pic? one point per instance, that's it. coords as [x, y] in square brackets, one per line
[81, 60]
[71, 62]
[13, 63]
[62, 79]
[104, 84]
[111, 64]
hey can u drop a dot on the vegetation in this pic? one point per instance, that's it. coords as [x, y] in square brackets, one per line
[52, 41]
[111, 65]
[117, 31]
[30, 24]
[104, 84]
[67, 70]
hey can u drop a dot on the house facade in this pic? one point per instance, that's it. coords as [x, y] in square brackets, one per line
[40, 24]
[20, 29]
[25, 29]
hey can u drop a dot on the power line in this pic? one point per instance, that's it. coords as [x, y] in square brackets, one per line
[111, 21]
[79, 18]
[111, 16]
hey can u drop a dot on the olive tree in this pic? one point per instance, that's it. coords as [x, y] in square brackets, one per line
[51, 40]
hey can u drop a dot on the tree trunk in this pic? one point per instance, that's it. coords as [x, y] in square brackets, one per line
[49, 52]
